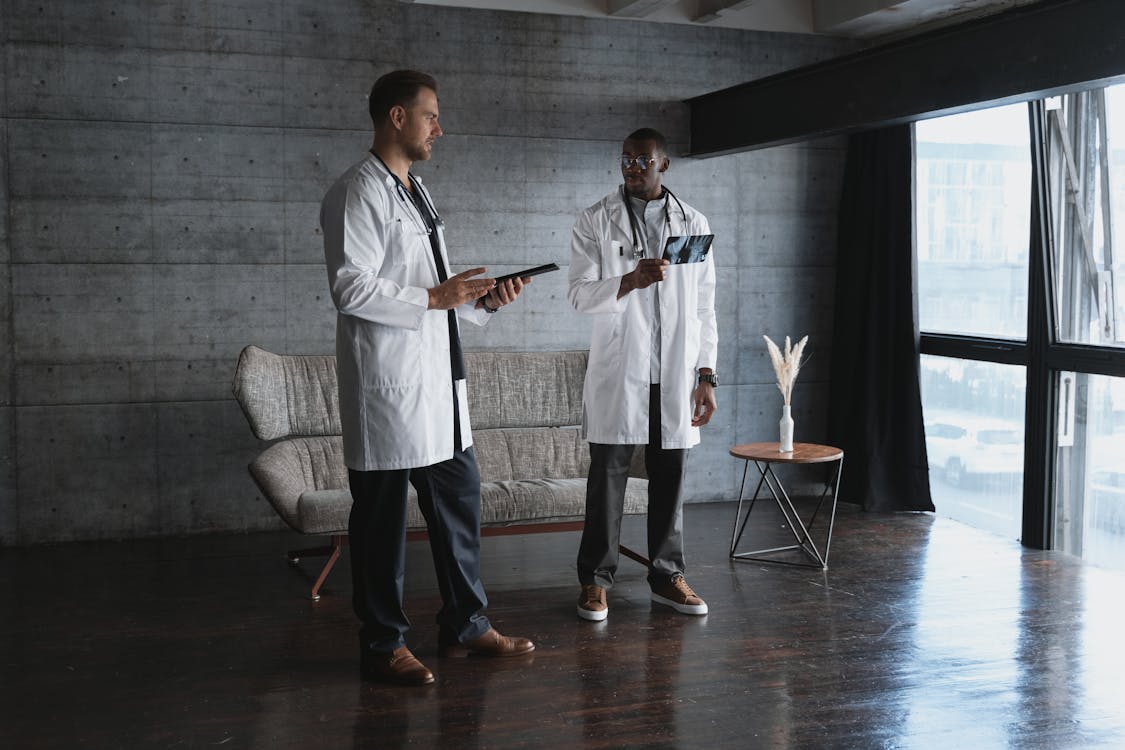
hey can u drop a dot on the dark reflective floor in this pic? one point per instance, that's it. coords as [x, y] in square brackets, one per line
[923, 634]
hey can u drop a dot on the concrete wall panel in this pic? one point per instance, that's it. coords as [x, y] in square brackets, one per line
[218, 231]
[243, 26]
[9, 505]
[89, 83]
[81, 230]
[330, 94]
[60, 159]
[6, 359]
[82, 313]
[202, 452]
[234, 89]
[313, 159]
[74, 22]
[75, 383]
[87, 472]
[9, 498]
[208, 311]
[352, 30]
[310, 316]
[190, 379]
[217, 163]
[303, 241]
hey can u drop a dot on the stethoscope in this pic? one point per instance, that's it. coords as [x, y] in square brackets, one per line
[638, 250]
[408, 200]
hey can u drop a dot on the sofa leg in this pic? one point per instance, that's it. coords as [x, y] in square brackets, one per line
[633, 555]
[333, 552]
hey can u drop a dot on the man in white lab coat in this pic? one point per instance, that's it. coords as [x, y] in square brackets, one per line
[403, 400]
[651, 374]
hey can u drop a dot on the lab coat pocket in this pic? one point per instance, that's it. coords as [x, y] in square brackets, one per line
[396, 357]
[617, 259]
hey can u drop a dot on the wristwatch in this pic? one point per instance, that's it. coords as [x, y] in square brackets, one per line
[709, 377]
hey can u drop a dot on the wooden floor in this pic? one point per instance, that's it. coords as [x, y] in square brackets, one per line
[923, 634]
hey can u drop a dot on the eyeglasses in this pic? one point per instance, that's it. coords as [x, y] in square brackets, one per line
[642, 162]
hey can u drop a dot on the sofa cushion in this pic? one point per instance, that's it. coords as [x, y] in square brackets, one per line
[531, 453]
[286, 470]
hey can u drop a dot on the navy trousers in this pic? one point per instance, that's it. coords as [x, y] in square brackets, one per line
[449, 498]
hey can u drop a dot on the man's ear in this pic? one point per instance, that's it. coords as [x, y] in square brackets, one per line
[397, 116]
[665, 162]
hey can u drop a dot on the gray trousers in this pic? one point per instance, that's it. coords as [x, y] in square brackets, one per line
[605, 505]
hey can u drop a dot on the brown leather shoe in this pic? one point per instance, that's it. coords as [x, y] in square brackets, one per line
[678, 595]
[592, 604]
[399, 666]
[489, 644]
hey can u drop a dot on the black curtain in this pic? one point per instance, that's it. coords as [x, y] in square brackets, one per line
[875, 412]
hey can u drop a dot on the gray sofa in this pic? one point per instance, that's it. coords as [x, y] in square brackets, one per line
[524, 407]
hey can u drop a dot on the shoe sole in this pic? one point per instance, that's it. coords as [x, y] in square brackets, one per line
[461, 652]
[370, 675]
[687, 609]
[593, 615]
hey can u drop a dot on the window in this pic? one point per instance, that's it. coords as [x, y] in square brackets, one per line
[972, 230]
[972, 217]
[1090, 469]
[1086, 170]
[973, 415]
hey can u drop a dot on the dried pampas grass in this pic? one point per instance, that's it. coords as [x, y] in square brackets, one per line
[786, 366]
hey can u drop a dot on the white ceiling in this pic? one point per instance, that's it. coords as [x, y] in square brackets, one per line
[862, 19]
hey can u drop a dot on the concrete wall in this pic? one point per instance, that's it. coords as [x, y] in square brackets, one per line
[162, 169]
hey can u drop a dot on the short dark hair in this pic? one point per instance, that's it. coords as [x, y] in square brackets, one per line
[397, 88]
[648, 134]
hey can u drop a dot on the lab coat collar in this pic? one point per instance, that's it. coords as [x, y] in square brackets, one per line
[390, 181]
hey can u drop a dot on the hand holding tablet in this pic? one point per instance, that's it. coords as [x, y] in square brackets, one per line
[528, 272]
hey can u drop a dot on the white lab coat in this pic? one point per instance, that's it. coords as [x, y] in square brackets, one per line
[616, 394]
[392, 353]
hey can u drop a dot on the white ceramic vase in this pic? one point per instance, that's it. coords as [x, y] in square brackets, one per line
[786, 429]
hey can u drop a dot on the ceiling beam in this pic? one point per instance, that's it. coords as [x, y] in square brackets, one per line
[1026, 53]
[710, 10]
[635, 8]
[828, 14]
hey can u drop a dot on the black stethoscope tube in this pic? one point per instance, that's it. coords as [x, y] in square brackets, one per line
[637, 252]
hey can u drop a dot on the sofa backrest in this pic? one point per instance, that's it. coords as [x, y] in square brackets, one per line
[288, 394]
[525, 389]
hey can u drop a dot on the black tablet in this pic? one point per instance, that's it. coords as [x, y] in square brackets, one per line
[545, 268]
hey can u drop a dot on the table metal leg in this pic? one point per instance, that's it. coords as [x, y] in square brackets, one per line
[736, 532]
[803, 538]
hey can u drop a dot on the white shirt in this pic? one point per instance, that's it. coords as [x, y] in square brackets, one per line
[651, 216]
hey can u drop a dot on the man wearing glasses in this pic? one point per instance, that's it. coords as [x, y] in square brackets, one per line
[651, 374]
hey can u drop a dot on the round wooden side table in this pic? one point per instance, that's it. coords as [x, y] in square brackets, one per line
[764, 456]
